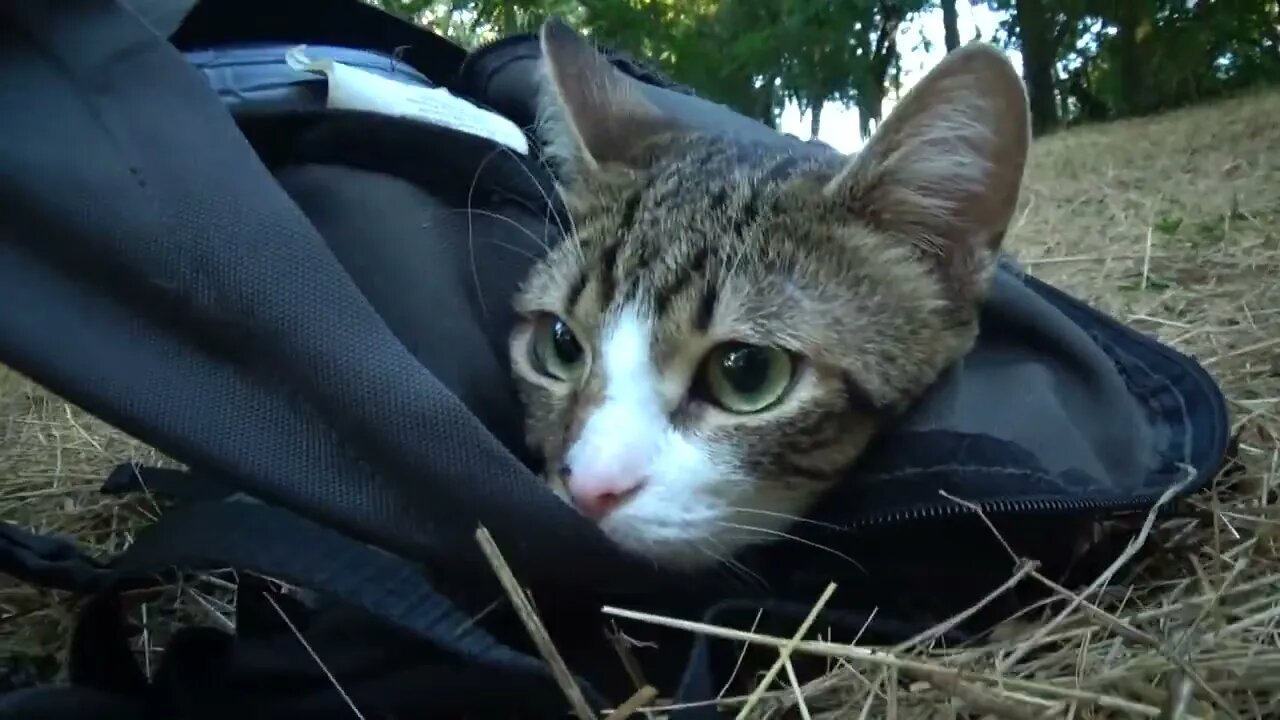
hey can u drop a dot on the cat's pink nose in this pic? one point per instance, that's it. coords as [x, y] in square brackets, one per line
[598, 494]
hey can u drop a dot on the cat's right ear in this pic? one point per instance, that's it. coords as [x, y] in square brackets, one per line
[592, 116]
[944, 170]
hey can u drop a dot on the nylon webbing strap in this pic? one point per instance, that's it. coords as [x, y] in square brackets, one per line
[47, 561]
[274, 543]
[182, 485]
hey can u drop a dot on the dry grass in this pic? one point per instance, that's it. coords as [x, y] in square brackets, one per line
[1168, 224]
[53, 459]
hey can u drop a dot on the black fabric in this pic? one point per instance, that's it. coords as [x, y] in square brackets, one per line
[162, 16]
[46, 560]
[170, 482]
[55, 703]
[254, 79]
[309, 308]
[100, 657]
[359, 631]
[235, 339]
[384, 626]
[355, 25]
[383, 632]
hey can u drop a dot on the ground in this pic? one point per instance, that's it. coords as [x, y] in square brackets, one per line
[1169, 224]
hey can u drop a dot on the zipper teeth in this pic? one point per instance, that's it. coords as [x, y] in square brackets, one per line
[931, 512]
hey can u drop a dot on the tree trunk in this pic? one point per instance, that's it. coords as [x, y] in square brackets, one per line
[883, 56]
[950, 25]
[815, 118]
[1091, 107]
[1038, 55]
[766, 102]
[1131, 22]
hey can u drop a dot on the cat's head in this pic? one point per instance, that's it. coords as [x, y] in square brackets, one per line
[727, 324]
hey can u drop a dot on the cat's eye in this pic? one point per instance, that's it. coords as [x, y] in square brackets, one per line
[556, 351]
[744, 378]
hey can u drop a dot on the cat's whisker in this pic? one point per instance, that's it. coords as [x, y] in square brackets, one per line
[576, 244]
[509, 221]
[535, 131]
[471, 230]
[789, 536]
[470, 206]
[747, 573]
[728, 558]
[795, 518]
[734, 567]
[720, 564]
[564, 232]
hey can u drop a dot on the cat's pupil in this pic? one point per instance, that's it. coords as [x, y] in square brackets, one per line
[745, 368]
[565, 344]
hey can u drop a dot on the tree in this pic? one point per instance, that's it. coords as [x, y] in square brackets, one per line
[882, 58]
[1039, 55]
[824, 57]
[845, 53]
[1043, 31]
[1082, 60]
[738, 55]
[950, 25]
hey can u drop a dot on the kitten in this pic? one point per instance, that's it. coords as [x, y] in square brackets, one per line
[729, 323]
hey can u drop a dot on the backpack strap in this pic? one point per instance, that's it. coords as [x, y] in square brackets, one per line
[47, 561]
[179, 484]
[267, 541]
[63, 702]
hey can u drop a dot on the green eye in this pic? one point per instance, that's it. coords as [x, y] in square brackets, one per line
[556, 350]
[744, 378]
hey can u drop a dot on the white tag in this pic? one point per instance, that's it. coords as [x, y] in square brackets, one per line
[351, 88]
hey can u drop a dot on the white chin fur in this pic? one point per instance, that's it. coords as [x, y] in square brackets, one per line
[674, 527]
[697, 508]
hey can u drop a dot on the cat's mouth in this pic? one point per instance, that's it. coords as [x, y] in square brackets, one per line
[690, 533]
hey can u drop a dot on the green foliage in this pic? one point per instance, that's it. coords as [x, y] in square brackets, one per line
[1118, 58]
[1082, 59]
[753, 55]
[1187, 54]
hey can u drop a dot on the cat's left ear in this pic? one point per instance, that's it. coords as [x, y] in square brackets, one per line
[592, 115]
[944, 170]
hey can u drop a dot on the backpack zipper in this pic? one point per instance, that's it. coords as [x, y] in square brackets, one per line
[1007, 507]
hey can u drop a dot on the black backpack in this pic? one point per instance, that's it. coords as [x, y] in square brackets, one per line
[307, 308]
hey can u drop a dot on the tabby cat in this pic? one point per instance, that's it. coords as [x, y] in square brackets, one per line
[729, 322]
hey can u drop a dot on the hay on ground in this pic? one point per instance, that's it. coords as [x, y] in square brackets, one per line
[1169, 224]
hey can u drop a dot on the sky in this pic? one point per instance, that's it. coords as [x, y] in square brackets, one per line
[840, 123]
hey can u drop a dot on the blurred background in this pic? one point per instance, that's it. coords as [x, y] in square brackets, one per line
[831, 68]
